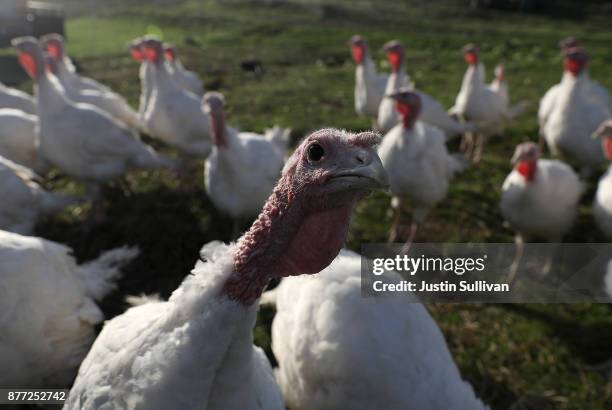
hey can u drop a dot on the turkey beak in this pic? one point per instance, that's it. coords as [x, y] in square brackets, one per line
[368, 173]
[516, 157]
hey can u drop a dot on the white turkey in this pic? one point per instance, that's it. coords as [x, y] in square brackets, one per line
[13, 98]
[55, 47]
[433, 112]
[188, 80]
[369, 84]
[578, 108]
[417, 161]
[602, 205]
[106, 100]
[23, 200]
[499, 84]
[243, 167]
[539, 198]
[145, 74]
[19, 140]
[49, 309]
[196, 350]
[80, 139]
[174, 115]
[339, 350]
[547, 103]
[482, 104]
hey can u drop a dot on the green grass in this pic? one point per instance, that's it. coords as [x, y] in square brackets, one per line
[520, 356]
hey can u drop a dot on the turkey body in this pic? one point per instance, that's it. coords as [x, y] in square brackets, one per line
[23, 200]
[418, 163]
[174, 116]
[480, 103]
[84, 141]
[574, 113]
[240, 176]
[48, 308]
[19, 140]
[188, 80]
[369, 88]
[602, 205]
[16, 99]
[109, 102]
[339, 350]
[527, 205]
[144, 358]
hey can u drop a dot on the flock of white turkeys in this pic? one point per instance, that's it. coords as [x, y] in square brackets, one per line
[335, 349]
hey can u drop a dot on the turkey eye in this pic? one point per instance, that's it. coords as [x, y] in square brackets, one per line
[315, 152]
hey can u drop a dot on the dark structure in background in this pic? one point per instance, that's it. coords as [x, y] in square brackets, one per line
[23, 18]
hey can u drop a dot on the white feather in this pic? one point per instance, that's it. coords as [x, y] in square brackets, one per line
[193, 351]
[47, 312]
[602, 205]
[545, 207]
[340, 350]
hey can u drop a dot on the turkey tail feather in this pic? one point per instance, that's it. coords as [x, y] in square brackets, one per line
[99, 275]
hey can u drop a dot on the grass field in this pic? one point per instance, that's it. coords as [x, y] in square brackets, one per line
[516, 356]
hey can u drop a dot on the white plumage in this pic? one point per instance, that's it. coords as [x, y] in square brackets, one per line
[417, 161]
[188, 80]
[103, 98]
[243, 167]
[339, 350]
[145, 75]
[433, 112]
[369, 84]
[81, 139]
[547, 104]
[191, 352]
[55, 46]
[540, 196]
[48, 308]
[174, 115]
[23, 200]
[499, 84]
[480, 103]
[418, 164]
[13, 98]
[602, 205]
[571, 112]
[19, 140]
[196, 351]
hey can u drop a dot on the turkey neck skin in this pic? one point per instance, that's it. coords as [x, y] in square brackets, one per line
[287, 239]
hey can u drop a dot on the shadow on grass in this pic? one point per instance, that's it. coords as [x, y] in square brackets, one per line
[590, 340]
[167, 225]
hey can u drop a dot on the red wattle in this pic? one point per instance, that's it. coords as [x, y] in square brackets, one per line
[137, 55]
[395, 59]
[54, 50]
[29, 64]
[218, 129]
[471, 58]
[358, 53]
[151, 54]
[607, 145]
[407, 112]
[169, 55]
[527, 169]
[573, 66]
